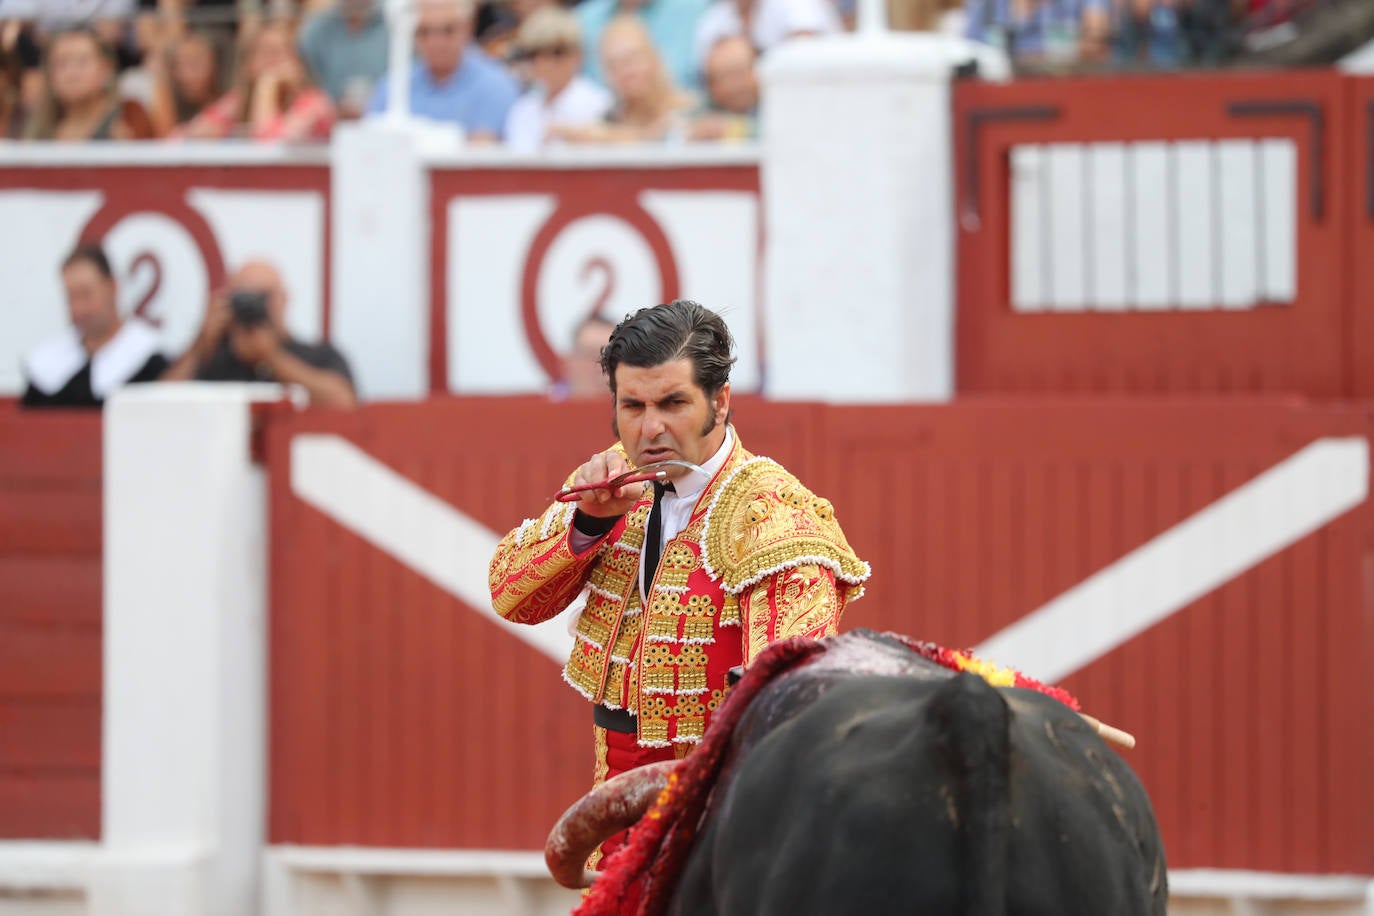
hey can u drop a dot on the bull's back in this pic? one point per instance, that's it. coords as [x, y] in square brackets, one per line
[896, 795]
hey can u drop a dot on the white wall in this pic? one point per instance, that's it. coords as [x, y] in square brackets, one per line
[857, 171]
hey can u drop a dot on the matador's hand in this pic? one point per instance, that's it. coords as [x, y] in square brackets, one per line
[603, 503]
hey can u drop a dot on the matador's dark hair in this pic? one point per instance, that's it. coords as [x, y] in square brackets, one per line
[681, 329]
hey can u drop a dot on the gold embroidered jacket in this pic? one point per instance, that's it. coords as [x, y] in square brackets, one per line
[761, 558]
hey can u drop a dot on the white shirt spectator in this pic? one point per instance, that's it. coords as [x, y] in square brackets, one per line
[581, 103]
[774, 21]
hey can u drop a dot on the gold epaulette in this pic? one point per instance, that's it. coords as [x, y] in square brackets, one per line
[762, 521]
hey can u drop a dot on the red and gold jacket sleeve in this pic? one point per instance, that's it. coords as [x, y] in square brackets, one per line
[801, 600]
[778, 548]
[535, 574]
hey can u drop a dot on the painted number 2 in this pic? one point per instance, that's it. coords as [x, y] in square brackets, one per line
[144, 307]
[602, 266]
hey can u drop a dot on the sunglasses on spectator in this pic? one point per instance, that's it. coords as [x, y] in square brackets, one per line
[550, 51]
[448, 30]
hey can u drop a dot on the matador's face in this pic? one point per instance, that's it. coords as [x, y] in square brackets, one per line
[661, 413]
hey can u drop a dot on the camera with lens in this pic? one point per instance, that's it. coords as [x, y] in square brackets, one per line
[249, 307]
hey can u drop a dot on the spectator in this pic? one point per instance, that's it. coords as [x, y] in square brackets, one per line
[1036, 33]
[223, 21]
[11, 107]
[647, 104]
[672, 23]
[766, 23]
[99, 352]
[137, 50]
[187, 80]
[495, 27]
[453, 80]
[732, 90]
[244, 339]
[274, 99]
[107, 19]
[26, 69]
[499, 22]
[943, 16]
[79, 100]
[161, 17]
[1148, 34]
[551, 43]
[582, 375]
[346, 48]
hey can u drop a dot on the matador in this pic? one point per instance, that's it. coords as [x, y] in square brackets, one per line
[685, 576]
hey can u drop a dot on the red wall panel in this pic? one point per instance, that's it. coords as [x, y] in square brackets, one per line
[400, 717]
[50, 625]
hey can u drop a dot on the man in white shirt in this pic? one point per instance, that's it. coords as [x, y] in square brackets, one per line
[100, 351]
[550, 41]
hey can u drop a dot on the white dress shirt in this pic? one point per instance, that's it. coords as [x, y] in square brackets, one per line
[50, 367]
[676, 512]
[679, 502]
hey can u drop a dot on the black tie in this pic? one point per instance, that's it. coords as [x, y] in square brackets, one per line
[653, 535]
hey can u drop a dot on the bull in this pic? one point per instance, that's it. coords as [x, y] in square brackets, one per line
[855, 775]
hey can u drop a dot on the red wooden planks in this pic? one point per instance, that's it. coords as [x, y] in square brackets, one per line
[50, 588]
[60, 735]
[49, 662]
[49, 805]
[50, 620]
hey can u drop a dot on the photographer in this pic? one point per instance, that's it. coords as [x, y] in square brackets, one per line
[244, 339]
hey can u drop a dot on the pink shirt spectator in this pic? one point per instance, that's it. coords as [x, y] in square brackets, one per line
[310, 116]
[274, 99]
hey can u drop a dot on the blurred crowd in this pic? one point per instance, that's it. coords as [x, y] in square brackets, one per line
[523, 72]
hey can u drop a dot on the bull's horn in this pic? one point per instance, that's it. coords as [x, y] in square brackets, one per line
[1110, 734]
[599, 815]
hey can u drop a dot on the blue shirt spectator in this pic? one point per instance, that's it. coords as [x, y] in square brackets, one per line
[671, 23]
[453, 80]
[1148, 34]
[1050, 30]
[346, 48]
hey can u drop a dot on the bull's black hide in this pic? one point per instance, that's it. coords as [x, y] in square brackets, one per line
[873, 781]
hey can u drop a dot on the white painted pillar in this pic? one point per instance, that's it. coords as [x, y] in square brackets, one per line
[872, 16]
[857, 180]
[400, 18]
[380, 262]
[184, 740]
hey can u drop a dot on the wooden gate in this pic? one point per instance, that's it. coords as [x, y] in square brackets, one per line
[1200, 244]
